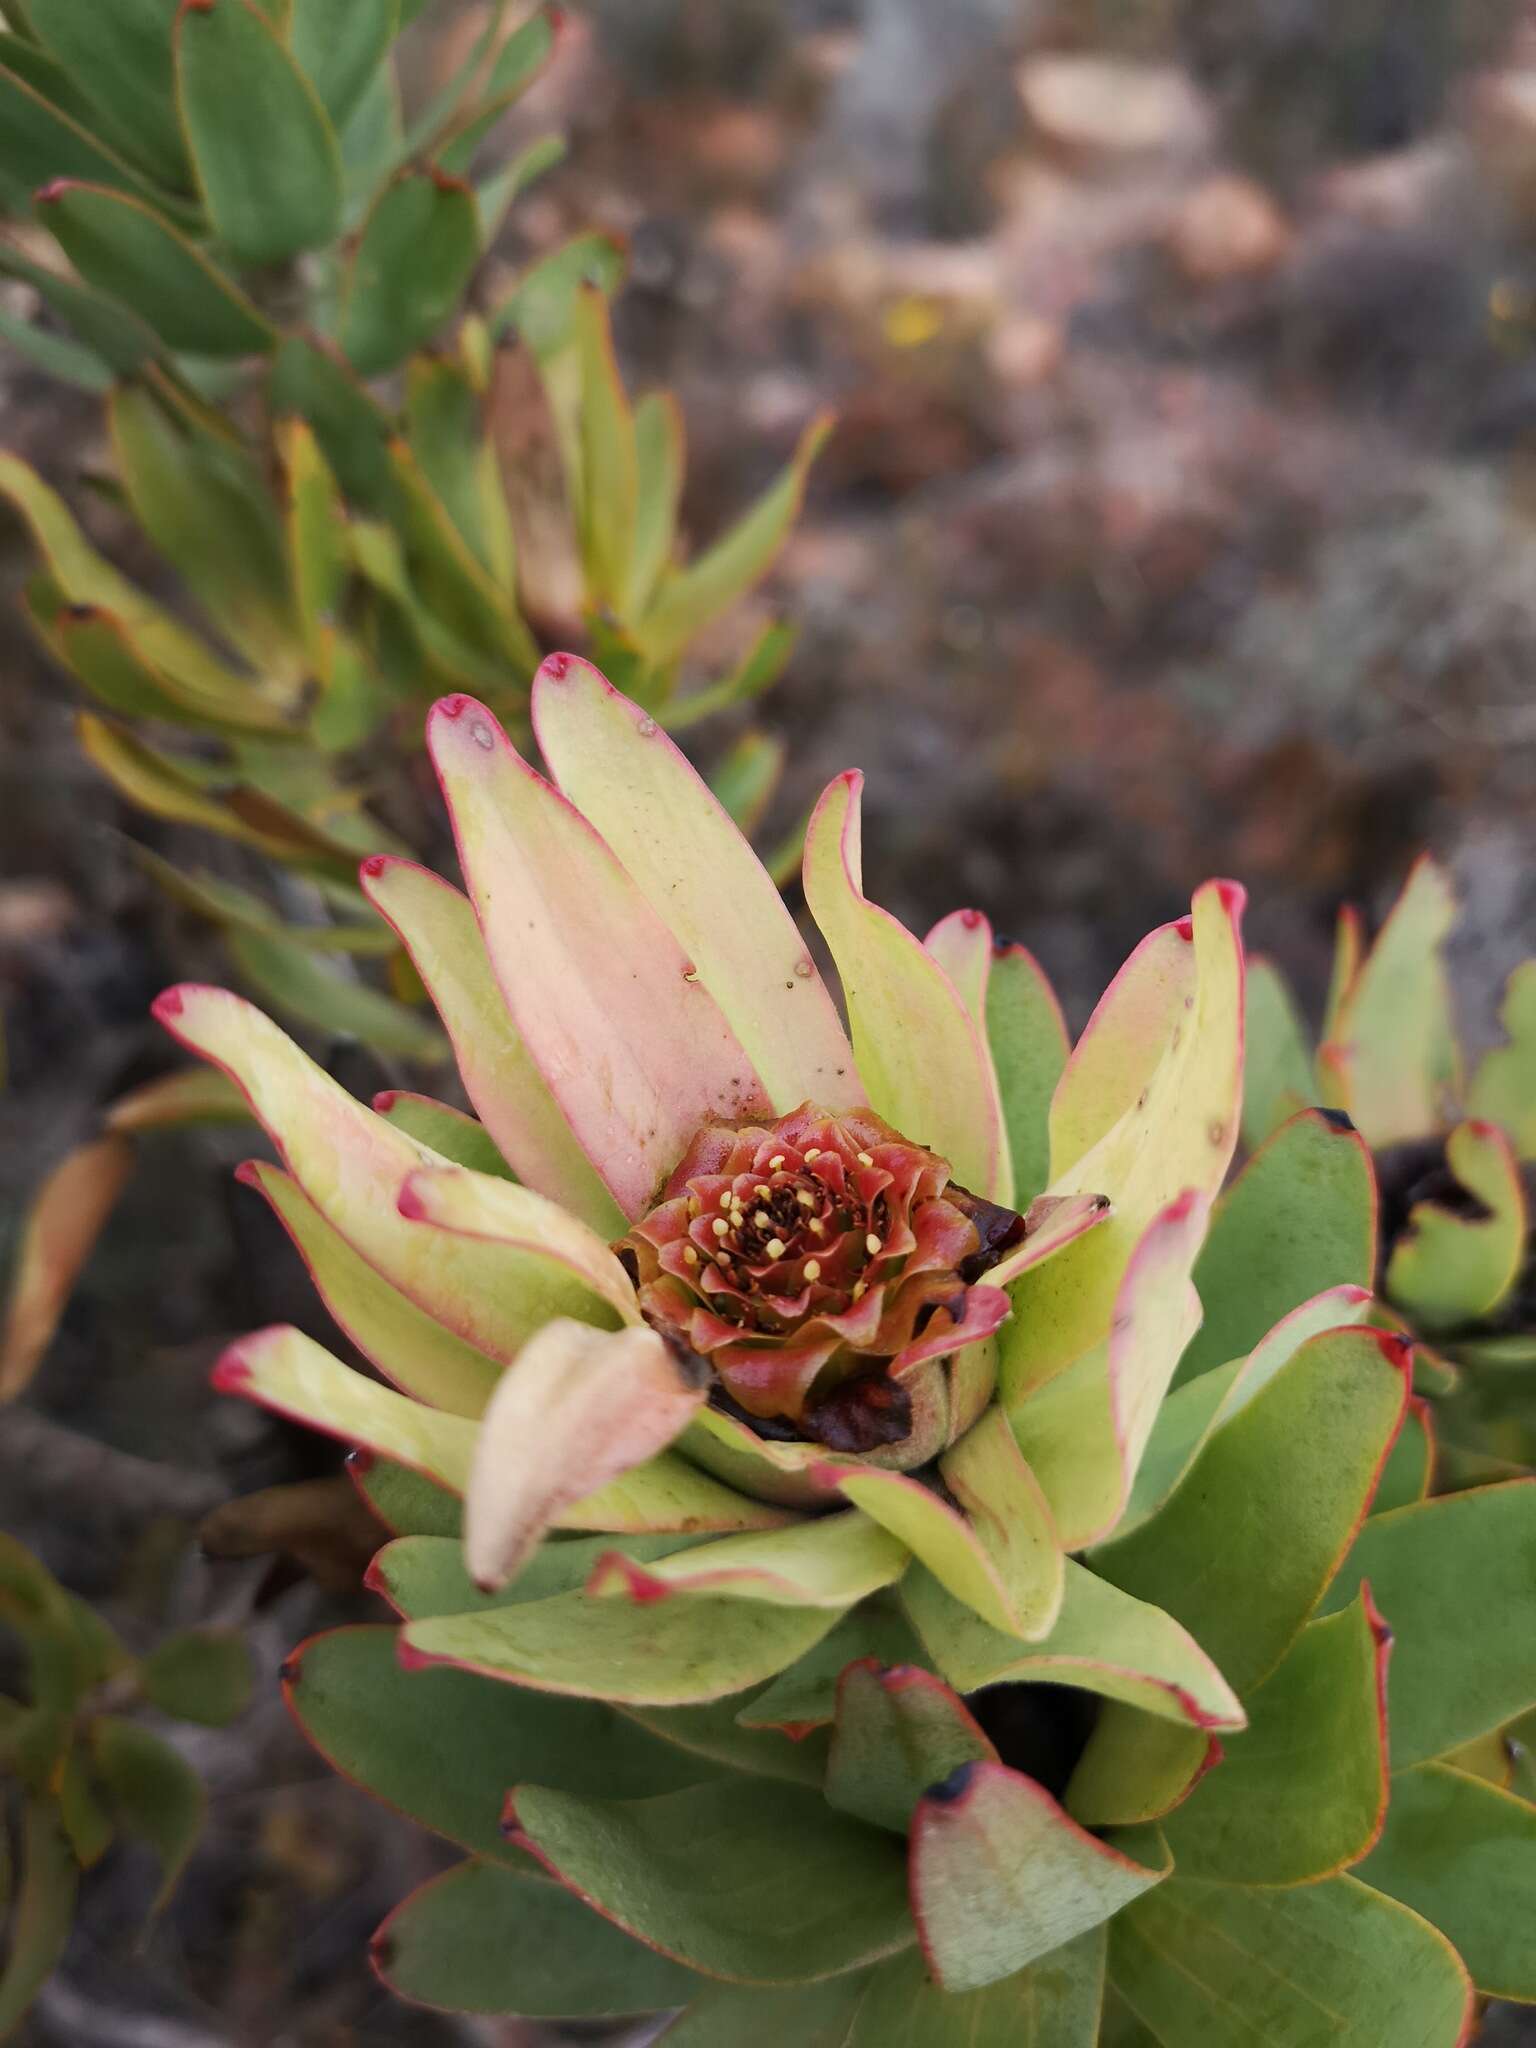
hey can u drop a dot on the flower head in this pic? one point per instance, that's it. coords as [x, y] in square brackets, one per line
[816, 1252]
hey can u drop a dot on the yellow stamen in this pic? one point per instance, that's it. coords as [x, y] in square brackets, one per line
[725, 1198]
[813, 1269]
[865, 1160]
[776, 1162]
[817, 1227]
[720, 1227]
[690, 1255]
[775, 1247]
[762, 1193]
[860, 1289]
[806, 1201]
[814, 1153]
[871, 1244]
[694, 1205]
[762, 1219]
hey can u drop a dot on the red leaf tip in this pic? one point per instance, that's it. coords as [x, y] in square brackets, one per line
[374, 865]
[409, 1658]
[54, 190]
[361, 1460]
[1396, 1349]
[1233, 897]
[558, 666]
[409, 1203]
[232, 1374]
[248, 1173]
[972, 919]
[169, 1003]
[1185, 927]
[453, 707]
[385, 1100]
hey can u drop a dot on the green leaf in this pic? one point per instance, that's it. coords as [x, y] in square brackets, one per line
[449, 1131]
[1228, 1967]
[129, 252]
[202, 1675]
[1299, 1219]
[1503, 1089]
[445, 418]
[1463, 1854]
[1452, 1265]
[1136, 1768]
[606, 501]
[349, 426]
[714, 1732]
[205, 505]
[1001, 1876]
[120, 57]
[754, 1882]
[804, 1695]
[1300, 1792]
[896, 1733]
[1085, 1431]
[240, 94]
[688, 599]
[43, 1909]
[423, 1576]
[1390, 1050]
[677, 1653]
[1028, 1038]
[340, 45]
[541, 308]
[1410, 1467]
[301, 986]
[154, 1793]
[1277, 1061]
[1455, 1579]
[479, 1939]
[41, 142]
[111, 333]
[404, 1501]
[747, 777]
[1241, 1551]
[1054, 2004]
[64, 360]
[660, 459]
[832, 1561]
[1104, 1642]
[467, 600]
[168, 788]
[390, 1731]
[418, 249]
[84, 1818]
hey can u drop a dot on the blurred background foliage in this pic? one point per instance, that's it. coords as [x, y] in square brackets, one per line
[1177, 520]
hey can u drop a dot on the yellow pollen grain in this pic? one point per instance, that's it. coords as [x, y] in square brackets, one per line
[860, 1289]
[871, 1244]
[725, 1199]
[775, 1247]
[776, 1162]
[761, 1218]
[806, 1201]
[865, 1159]
[814, 1153]
[813, 1269]
[817, 1227]
[722, 1258]
[690, 1255]
[720, 1227]
[762, 1193]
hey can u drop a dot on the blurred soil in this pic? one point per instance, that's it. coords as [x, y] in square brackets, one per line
[1180, 519]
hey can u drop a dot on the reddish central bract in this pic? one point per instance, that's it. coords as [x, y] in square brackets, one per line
[798, 1255]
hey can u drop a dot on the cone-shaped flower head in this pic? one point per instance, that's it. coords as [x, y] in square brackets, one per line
[816, 1263]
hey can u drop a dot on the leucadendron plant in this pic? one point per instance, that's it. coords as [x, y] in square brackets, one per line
[1455, 1148]
[821, 1616]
